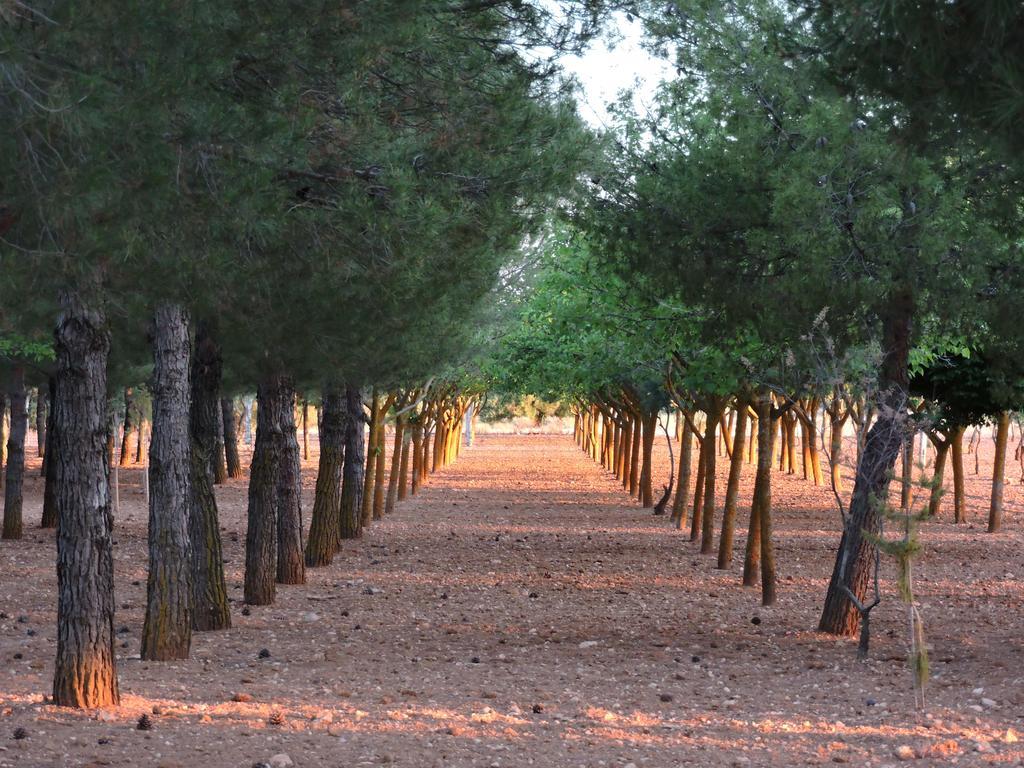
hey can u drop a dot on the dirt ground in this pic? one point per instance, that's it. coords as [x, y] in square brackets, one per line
[522, 611]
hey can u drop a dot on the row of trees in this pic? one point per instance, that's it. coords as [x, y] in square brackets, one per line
[786, 233]
[210, 199]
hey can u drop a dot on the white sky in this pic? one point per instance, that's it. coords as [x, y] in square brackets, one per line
[610, 67]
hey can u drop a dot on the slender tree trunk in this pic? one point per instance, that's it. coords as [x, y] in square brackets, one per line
[733, 486]
[627, 449]
[698, 491]
[649, 429]
[84, 674]
[763, 501]
[140, 430]
[291, 567]
[50, 464]
[634, 458]
[370, 471]
[127, 449]
[397, 471]
[305, 429]
[958, 475]
[14, 487]
[261, 533]
[995, 511]
[938, 476]
[417, 454]
[41, 423]
[403, 469]
[378, 472]
[355, 462]
[855, 560]
[210, 608]
[682, 497]
[167, 629]
[325, 527]
[707, 541]
[234, 463]
[247, 403]
[836, 449]
[218, 458]
[907, 475]
[3, 436]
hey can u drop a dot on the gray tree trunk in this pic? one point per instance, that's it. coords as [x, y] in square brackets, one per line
[291, 567]
[13, 492]
[234, 464]
[261, 532]
[49, 464]
[355, 463]
[210, 608]
[167, 630]
[325, 527]
[84, 673]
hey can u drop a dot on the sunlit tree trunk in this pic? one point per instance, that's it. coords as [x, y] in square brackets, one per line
[681, 501]
[707, 541]
[958, 475]
[397, 454]
[325, 526]
[995, 511]
[84, 672]
[733, 485]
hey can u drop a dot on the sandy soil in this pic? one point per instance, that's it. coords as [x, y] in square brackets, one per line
[523, 611]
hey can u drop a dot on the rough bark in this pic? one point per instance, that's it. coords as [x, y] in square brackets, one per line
[370, 471]
[995, 510]
[15, 470]
[707, 541]
[325, 527]
[85, 674]
[218, 461]
[958, 475]
[855, 559]
[167, 629]
[49, 519]
[291, 566]
[763, 500]
[355, 463]
[403, 469]
[234, 463]
[210, 608]
[378, 474]
[261, 532]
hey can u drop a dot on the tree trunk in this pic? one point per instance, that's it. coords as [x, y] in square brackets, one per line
[84, 673]
[14, 487]
[763, 500]
[938, 476]
[627, 449]
[370, 470]
[707, 541]
[682, 497]
[50, 465]
[733, 486]
[995, 510]
[219, 457]
[397, 454]
[210, 608]
[855, 560]
[247, 403]
[836, 448]
[698, 493]
[417, 453]
[378, 472]
[403, 469]
[649, 426]
[41, 423]
[291, 567]
[634, 458]
[140, 430]
[325, 527]
[167, 629]
[958, 475]
[355, 462]
[127, 449]
[261, 533]
[305, 429]
[234, 463]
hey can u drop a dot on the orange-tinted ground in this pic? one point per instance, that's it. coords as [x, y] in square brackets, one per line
[523, 611]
